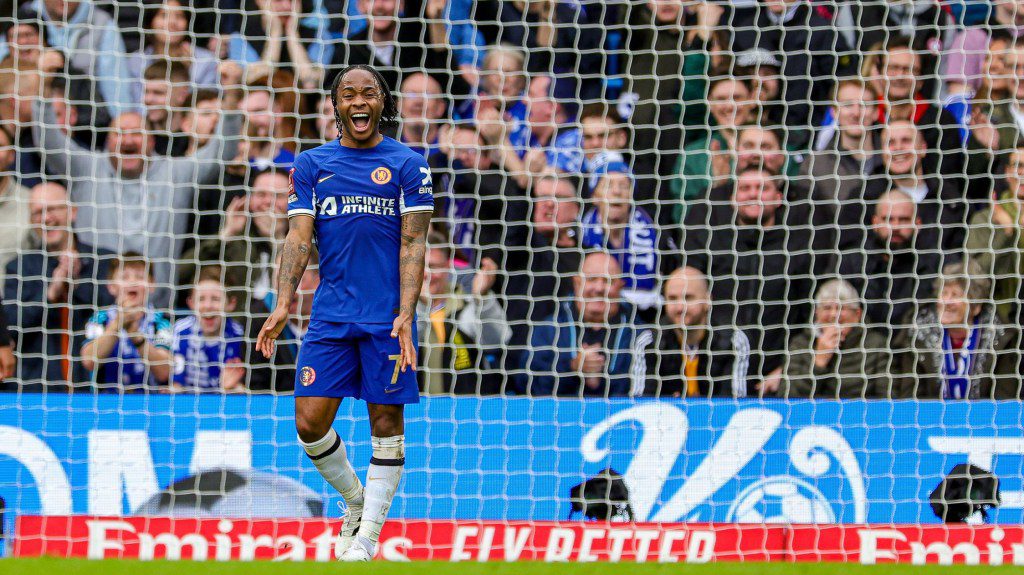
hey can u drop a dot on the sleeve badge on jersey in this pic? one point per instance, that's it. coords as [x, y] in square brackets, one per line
[292, 196]
[381, 176]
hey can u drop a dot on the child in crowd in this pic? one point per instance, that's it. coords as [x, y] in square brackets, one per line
[208, 345]
[128, 344]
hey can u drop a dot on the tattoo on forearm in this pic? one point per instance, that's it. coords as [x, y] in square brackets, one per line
[294, 257]
[411, 258]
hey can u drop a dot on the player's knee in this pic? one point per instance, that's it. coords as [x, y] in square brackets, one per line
[310, 431]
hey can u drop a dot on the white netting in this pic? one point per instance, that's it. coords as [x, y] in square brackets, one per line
[794, 198]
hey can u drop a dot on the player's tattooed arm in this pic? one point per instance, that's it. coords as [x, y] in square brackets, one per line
[411, 259]
[294, 256]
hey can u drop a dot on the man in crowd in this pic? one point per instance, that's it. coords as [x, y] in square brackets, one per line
[756, 247]
[51, 293]
[589, 346]
[421, 107]
[458, 331]
[165, 96]
[690, 357]
[127, 198]
[890, 266]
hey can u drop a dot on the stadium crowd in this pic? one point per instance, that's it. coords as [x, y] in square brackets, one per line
[664, 198]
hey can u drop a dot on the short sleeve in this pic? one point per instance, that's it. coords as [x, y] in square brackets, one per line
[417, 187]
[300, 188]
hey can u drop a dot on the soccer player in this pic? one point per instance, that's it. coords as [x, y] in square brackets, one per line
[367, 200]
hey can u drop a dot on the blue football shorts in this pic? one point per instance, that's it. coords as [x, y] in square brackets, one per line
[358, 360]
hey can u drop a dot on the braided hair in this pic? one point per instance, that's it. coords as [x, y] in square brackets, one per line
[388, 116]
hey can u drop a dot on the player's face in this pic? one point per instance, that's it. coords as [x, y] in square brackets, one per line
[360, 105]
[209, 302]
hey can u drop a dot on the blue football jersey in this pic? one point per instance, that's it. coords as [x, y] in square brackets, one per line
[357, 198]
[198, 360]
[125, 364]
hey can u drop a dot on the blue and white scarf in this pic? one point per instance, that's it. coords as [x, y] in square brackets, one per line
[956, 365]
[638, 254]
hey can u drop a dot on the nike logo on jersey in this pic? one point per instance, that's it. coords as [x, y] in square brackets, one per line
[325, 178]
[392, 390]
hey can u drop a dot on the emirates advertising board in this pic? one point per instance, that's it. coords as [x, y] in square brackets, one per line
[212, 477]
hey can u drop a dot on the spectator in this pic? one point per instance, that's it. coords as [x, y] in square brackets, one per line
[128, 345]
[628, 234]
[757, 146]
[127, 199]
[690, 358]
[589, 347]
[199, 121]
[940, 201]
[476, 205]
[51, 293]
[8, 363]
[278, 37]
[458, 331]
[1002, 96]
[964, 62]
[541, 267]
[838, 171]
[92, 41]
[168, 37]
[502, 85]
[895, 75]
[601, 139]
[667, 59]
[811, 52]
[421, 107]
[560, 40]
[995, 241]
[453, 22]
[837, 358]
[396, 43]
[250, 231]
[18, 90]
[538, 139]
[763, 71]
[957, 348]
[208, 344]
[705, 163]
[14, 208]
[165, 97]
[892, 265]
[270, 131]
[326, 126]
[756, 249]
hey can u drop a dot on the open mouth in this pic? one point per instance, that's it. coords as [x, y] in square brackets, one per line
[360, 121]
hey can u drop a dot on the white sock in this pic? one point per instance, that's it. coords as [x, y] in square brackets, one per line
[382, 479]
[329, 456]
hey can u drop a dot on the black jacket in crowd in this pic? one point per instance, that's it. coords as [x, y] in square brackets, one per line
[763, 277]
[36, 324]
[722, 362]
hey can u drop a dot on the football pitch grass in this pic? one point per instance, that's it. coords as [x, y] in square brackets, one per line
[50, 566]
